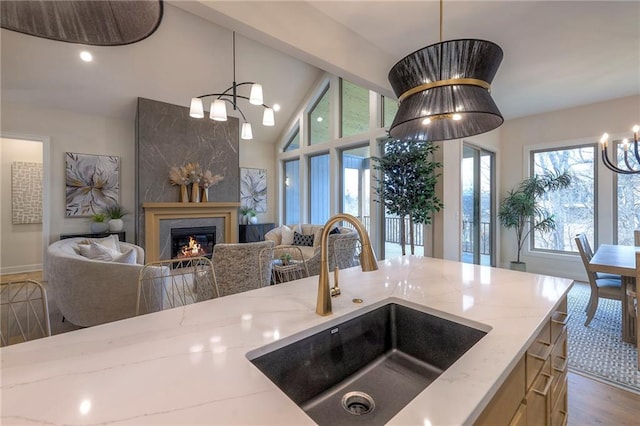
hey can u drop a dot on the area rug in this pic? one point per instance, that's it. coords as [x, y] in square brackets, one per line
[597, 351]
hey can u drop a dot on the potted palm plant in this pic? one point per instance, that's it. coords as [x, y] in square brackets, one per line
[521, 207]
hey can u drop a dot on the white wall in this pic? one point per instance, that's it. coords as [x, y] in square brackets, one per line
[71, 132]
[21, 246]
[257, 155]
[584, 124]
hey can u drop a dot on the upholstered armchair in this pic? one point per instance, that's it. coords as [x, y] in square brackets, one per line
[90, 291]
[237, 266]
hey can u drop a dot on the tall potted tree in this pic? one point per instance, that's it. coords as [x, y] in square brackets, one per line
[521, 208]
[407, 183]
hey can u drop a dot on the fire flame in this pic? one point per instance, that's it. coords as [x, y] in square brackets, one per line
[193, 249]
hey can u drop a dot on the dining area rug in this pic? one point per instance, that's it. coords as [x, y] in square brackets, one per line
[597, 351]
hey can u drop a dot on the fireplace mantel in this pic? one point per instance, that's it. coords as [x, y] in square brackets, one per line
[155, 212]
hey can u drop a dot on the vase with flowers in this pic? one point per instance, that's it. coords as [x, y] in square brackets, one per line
[207, 180]
[179, 176]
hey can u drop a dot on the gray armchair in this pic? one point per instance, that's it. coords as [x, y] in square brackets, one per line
[91, 292]
[237, 267]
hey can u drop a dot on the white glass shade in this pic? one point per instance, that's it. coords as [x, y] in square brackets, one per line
[246, 132]
[218, 110]
[196, 110]
[255, 97]
[268, 118]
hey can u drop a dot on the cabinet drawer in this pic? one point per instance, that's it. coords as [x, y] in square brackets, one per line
[538, 398]
[559, 364]
[520, 418]
[559, 320]
[538, 353]
[500, 409]
[560, 407]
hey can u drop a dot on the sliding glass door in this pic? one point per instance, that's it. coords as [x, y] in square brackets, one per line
[478, 224]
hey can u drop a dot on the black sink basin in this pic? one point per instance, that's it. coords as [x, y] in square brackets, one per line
[364, 370]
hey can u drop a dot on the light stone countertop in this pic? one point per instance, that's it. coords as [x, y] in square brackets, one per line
[188, 365]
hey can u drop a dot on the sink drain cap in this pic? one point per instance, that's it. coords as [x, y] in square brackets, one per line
[358, 403]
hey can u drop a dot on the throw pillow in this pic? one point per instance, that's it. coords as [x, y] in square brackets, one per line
[302, 240]
[129, 257]
[111, 242]
[335, 230]
[98, 252]
[317, 237]
[287, 235]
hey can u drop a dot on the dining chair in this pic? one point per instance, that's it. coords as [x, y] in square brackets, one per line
[167, 284]
[238, 266]
[24, 313]
[606, 286]
[634, 304]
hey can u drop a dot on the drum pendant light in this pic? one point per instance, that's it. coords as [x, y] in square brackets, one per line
[444, 90]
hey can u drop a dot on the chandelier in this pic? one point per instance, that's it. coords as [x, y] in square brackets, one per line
[630, 170]
[444, 90]
[218, 110]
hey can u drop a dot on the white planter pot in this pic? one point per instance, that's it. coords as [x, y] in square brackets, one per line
[99, 227]
[116, 225]
[253, 219]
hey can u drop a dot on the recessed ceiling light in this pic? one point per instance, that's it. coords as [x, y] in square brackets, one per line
[86, 56]
[319, 119]
[276, 107]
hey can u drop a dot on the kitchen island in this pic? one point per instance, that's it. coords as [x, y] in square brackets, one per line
[188, 365]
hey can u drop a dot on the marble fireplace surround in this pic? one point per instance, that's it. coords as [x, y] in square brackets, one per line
[154, 213]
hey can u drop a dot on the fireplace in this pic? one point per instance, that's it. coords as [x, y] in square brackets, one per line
[193, 241]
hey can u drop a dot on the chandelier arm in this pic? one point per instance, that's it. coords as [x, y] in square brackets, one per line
[636, 152]
[220, 96]
[629, 166]
[613, 168]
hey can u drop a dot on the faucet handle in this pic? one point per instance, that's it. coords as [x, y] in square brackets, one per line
[335, 290]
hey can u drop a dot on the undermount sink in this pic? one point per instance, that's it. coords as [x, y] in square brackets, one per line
[365, 367]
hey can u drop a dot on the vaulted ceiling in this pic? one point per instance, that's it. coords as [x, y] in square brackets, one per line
[557, 54]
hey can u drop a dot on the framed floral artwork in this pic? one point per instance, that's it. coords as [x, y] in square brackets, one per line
[253, 189]
[92, 183]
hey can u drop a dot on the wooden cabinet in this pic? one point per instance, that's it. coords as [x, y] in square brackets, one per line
[535, 392]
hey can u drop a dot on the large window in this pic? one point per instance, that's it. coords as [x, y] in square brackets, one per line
[292, 191]
[355, 183]
[573, 208]
[628, 197]
[389, 109]
[319, 119]
[294, 142]
[354, 109]
[319, 188]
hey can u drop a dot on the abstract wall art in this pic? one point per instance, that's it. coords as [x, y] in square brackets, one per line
[253, 189]
[92, 183]
[26, 193]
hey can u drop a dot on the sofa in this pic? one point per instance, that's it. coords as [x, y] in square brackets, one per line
[92, 291]
[342, 237]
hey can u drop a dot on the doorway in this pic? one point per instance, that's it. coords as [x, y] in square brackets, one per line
[25, 224]
[478, 201]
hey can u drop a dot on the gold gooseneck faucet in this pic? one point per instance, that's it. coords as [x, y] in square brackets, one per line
[368, 260]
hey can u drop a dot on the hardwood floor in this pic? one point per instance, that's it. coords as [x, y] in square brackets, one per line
[590, 402]
[36, 275]
[595, 403]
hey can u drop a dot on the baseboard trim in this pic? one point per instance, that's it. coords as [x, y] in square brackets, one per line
[20, 269]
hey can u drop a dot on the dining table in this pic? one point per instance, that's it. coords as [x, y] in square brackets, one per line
[619, 260]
